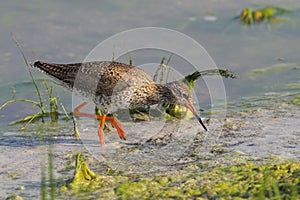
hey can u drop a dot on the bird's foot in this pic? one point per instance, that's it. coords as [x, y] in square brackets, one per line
[116, 124]
[113, 121]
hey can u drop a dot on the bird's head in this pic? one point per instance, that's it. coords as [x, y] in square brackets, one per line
[182, 95]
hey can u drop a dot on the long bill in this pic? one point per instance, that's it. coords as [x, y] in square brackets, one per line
[192, 109]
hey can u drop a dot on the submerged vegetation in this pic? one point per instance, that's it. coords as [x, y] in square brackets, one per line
[53, 102]
[269, 14]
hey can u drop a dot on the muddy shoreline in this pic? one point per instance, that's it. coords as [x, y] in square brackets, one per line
[250, 134]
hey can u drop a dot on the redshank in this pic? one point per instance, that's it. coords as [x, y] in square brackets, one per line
[115, 85]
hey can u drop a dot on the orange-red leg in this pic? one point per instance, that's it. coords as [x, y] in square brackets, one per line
[113, 121]
[100, 130]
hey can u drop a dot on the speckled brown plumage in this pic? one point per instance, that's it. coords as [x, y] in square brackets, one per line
[114, 85]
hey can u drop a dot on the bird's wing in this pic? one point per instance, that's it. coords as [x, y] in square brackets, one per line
[98, 77]
[118, 77]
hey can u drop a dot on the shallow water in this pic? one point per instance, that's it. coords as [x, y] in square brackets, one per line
[266, 58]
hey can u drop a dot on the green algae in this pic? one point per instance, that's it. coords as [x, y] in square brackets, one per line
[236, 181]
[278, 83]
[14, 175]
[274, 68]
[83, 177]
[296, 100]
[14, 197]
[86, 184]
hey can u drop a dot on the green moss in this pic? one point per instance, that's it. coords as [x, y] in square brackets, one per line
[241, 181]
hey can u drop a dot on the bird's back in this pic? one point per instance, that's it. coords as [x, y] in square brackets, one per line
[97, 80]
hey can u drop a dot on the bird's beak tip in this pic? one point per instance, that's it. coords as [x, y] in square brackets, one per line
[192, 109]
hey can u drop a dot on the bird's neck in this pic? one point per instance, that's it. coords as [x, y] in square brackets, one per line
[152, 94]
[164, 94]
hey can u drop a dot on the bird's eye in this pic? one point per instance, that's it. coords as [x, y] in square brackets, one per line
[185, 96]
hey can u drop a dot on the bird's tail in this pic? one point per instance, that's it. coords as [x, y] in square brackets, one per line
[62, 72]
